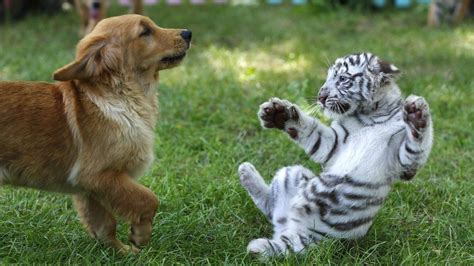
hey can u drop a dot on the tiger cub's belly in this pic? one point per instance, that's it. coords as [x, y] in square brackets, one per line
[367, 154]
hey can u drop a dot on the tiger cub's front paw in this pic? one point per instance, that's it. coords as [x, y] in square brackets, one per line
[416, 114]
[275, 113]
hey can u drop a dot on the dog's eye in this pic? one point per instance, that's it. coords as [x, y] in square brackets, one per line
[146, 32]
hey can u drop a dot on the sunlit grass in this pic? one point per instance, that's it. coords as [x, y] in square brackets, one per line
[242, 56]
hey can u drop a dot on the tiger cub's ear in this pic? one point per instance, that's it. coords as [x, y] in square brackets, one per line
[388, 69]
[385, 70]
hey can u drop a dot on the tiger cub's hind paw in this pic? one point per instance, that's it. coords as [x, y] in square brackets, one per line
[259, 247]
[247, 173]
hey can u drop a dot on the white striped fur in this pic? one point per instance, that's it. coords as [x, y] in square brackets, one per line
[375, 139]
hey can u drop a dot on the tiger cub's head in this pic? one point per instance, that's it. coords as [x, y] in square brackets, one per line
[356, 82]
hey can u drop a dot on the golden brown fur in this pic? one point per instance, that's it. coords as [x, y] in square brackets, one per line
[91, 134]
[88, 20]
[436, 16]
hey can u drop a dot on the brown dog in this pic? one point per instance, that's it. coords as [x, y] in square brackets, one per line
[92, 133]
[92, 11]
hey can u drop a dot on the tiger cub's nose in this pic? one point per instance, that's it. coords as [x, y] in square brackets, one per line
[322, 99]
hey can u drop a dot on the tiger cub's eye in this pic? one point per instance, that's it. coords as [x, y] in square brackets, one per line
[343, 78]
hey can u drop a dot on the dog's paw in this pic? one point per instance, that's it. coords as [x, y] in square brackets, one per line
[140, 234]
[416, 114]
[275, 113]
[121, 248]
[128, 250]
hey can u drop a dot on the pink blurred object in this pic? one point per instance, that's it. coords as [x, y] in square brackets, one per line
[173, 2]
[94, 14]
[8, 4]
[146, 2]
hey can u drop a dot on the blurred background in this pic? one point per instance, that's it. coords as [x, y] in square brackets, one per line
[244, 52]
[447, 9]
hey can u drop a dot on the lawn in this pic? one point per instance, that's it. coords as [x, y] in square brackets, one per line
[241, 57]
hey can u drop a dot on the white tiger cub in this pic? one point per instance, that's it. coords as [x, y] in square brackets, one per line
[375, 139]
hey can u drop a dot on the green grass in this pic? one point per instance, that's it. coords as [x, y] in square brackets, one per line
[208, 125]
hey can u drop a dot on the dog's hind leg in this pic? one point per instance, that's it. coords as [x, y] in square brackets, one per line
[100, 223]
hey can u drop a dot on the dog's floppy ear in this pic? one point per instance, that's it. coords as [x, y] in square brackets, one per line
[95, 58]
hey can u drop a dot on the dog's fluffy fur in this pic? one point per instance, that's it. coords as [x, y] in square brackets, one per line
[91, 134]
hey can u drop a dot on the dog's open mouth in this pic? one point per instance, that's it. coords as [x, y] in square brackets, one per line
[173, 58]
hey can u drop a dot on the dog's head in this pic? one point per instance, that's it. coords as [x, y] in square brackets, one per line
[124, 47]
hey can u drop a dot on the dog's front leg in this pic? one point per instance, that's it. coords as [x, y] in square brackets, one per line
[121, 195]
[100, 223]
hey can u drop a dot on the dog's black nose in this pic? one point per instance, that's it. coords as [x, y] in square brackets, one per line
[187, 35]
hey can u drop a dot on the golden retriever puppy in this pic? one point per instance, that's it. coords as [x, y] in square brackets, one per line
[91, 134]
[92, 11]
